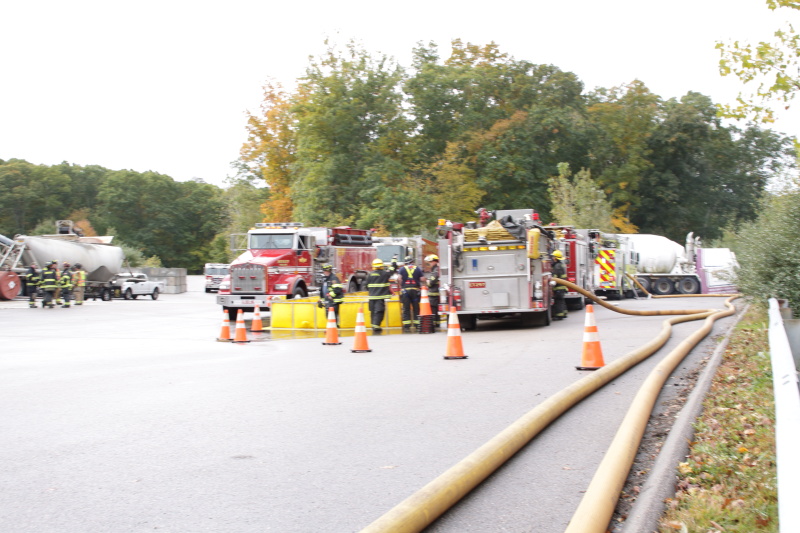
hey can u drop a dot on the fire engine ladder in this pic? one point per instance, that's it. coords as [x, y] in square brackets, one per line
[11, 253]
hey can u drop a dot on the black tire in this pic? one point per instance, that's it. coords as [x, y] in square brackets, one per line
[354, 286]
[233, 314]
[575, 304]
[468, 322]
[154, 296]
[687, 286]
[128, 295]
[299, 292]
[644, 282]
[662, 286]
[105, 295]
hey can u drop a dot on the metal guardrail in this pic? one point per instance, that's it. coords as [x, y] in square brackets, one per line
[787, 415]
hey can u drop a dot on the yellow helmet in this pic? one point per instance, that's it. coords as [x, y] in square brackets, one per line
[558, 255]
[432, 257]
[377, 264]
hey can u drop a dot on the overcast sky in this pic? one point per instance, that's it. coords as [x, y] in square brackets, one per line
[165, 85]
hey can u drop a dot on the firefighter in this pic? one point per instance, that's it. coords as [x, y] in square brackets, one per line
[559, 270]
[411, 280]
[379, 291]
[65, 284]
[79, 282]
[331, 293]
[49, 284]
[433, 286]
[32, 280]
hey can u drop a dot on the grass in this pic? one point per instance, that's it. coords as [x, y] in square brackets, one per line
[728, 482]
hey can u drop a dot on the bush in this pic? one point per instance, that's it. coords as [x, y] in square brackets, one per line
[769, 252]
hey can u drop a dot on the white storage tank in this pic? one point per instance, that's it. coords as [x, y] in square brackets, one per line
[657, 254]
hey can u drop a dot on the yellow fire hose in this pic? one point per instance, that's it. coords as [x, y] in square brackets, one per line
[420, 509]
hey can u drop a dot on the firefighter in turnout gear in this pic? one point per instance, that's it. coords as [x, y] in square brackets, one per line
[331, 293]
[411, 280]
[65, 284]
[379, 291]
[49, 284]
[559, 270]
[433, 286]
[79, 282]
[32, 279]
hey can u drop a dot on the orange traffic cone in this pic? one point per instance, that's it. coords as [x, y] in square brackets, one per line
[360, 344]
[424, 303]
[241, 331]
[225, 333]
[592, 357]
[455, 350]
[256, 324]
[331, 333]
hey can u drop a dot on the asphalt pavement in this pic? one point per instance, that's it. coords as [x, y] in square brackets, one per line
[130, 416]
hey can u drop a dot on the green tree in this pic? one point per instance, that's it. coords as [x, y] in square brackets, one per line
[773, 65]
[622, 120]
[350, 132]
[577, 201]
[769, 252]
[270, 151]
[175, 221]
[31, 194]
[704, 176]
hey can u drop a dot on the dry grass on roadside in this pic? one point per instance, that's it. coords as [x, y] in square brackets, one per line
[728, 482]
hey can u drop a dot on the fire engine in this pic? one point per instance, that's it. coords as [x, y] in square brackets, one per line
[284, 260]
[497, 270]
[614, 260]
[574, 244]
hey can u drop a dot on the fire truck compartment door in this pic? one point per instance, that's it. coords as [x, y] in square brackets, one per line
[493, 293]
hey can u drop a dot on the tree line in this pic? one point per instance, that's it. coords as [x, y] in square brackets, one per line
[153, 217]
[363, 141]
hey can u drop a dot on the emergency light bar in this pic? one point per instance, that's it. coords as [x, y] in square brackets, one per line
[278, 225]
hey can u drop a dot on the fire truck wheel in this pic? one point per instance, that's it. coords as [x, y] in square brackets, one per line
[575, 304]
[468, 322]
[299, 293]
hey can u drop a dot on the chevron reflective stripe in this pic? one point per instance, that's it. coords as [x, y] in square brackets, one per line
[605, 260]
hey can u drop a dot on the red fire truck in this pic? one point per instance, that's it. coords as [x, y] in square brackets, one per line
[284, 260]
[574, 244]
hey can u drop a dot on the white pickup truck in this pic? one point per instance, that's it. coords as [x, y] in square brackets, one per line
[131, 286]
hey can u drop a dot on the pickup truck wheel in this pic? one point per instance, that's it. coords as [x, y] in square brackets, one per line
[154, 296]
[128, 294]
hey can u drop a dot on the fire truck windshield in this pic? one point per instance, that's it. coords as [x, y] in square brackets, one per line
[271, 241]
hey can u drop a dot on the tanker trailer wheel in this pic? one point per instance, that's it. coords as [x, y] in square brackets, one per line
[687, 286]
[662, 286]
[106, 295]
[644, 282]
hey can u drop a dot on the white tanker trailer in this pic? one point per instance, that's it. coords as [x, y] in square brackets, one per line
[665, 267]
[97, 257]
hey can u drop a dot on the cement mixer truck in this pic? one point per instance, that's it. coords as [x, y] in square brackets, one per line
[97, 256]
[665, 267]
